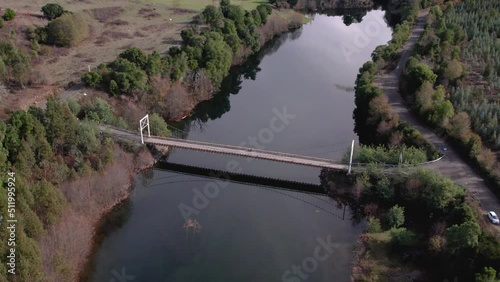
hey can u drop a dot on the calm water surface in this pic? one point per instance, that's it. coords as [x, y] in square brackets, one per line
[246, 232]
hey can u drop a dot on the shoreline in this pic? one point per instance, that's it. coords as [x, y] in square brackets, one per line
[108, 214]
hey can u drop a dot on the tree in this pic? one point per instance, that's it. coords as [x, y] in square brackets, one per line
[52, 11]
[256, 17]
[134, 55]
[401, 237]
[437, 192]
[113, 88]
[235, 13]
[177, 101]
[9, 14]
[92, 79]
[264, 10]
[436, 243]
[128, 75]
[212, 16]
[460, 126]
[217, 57]
[396, 216]
[50, 202]
[373, 225]
[440, 113]
[462, 236]
[224, 5]
[384, 189]
[16, 64]
[67, 30]
[423, 97]
[453, 70]
[154, 64]
[418, 74]
[158, 125]
[99, 111]
[488, 274]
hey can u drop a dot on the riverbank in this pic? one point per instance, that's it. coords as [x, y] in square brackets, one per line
[256, 222]
[173, 83]
[375, 257]
[279, 22]
[69, 242]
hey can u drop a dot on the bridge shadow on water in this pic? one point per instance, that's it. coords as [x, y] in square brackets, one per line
[314, 195]
[275, 183]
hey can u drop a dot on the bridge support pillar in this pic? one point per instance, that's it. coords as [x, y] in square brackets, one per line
[143, 123]
[350, 159]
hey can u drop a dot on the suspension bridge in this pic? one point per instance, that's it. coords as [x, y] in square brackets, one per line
[179, 142]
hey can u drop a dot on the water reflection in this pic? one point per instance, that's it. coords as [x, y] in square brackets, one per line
[219, 105]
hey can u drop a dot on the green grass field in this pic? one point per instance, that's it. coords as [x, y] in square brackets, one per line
[201, 4]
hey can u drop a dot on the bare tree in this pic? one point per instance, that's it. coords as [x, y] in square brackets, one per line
[177, 101]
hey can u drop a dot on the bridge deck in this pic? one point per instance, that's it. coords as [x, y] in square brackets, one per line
[232, 150]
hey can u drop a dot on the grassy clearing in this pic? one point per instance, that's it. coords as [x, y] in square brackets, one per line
[198, 5]
[376, 263]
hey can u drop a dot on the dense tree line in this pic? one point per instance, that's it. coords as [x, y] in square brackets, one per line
[197, 66]
[44, 148]
[439, 88]
[427, 214]
[456, 244]
[375, 121]
[383, 155]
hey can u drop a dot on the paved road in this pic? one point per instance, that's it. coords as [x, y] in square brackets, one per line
[452, 165]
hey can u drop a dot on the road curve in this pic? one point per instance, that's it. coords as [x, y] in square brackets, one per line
[452, 165]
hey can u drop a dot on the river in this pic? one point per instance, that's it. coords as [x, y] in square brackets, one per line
[293, 97]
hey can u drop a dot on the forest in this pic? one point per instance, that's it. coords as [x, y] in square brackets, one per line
[453, 80]
[192, 72]
[450, 83]
[45, 148]
[427, 221]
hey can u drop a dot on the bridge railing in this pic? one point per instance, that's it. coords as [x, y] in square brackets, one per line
[246, 149]
[124, 133]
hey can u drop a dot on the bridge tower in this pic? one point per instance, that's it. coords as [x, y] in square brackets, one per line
[143, 123]
[350, 159]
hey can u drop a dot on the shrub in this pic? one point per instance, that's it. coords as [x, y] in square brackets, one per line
[1, 22]
[401, 237]
[15, 64]
[396, 216]
[113, 88]
[9, 14]
[99, 111]
[158, 125]
[92, 79]
[52, 11]
[67, 30]
[488, 274]
[373, 225]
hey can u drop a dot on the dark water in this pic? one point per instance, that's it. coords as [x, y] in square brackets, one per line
[294, 97]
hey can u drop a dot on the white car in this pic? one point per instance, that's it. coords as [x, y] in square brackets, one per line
[493, 217]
